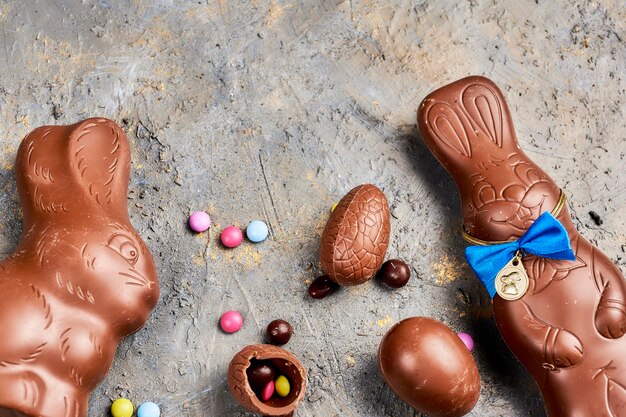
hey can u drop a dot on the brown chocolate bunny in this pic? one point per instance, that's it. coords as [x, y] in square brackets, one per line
[81, 278]
[568, 329]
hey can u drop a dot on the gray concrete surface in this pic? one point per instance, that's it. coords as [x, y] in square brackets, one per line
[273, 110]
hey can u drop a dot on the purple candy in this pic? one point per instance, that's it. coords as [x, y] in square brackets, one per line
[199, 221]
[467, 340]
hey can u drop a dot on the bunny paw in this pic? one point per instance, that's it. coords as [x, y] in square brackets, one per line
[616, 397]
[610, 319]
[21, 390]
[561, 349]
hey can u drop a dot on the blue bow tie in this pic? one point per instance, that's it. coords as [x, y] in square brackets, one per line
[546, 238]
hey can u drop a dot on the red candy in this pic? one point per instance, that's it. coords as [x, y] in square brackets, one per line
[231, 236]
[231, 321]
[268, 391]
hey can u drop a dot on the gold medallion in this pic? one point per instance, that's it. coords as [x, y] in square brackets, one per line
[512, 280]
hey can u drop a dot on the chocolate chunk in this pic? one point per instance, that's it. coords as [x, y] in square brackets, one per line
[283, 363]
[429, 367]
[279, 332]
[322, 287]
[395, 273]
[596, 218]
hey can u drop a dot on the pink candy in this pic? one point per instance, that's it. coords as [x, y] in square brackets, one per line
[268, 391]
[199, 221]
[231, 321]
[467, 340]
[231, 236]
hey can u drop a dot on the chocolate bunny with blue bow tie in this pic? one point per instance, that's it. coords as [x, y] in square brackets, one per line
[567, 326]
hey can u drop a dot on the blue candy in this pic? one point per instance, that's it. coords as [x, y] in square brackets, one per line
[257, 231]
[148, 409]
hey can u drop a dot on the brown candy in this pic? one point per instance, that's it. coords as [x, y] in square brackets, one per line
[568, 328]
[283, 363]
[279, 332]
[322, 287]
[259, 373]
[356, 236]
[81, 278]
[429, 367]
[395, 273]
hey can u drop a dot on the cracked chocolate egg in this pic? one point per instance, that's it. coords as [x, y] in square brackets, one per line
[428, 366]
[356, 236]
[283, 363]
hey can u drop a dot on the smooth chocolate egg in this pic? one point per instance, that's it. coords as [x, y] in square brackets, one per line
[356, 236]
[427, 365]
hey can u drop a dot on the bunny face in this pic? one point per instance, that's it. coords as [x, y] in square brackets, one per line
[106, 267]
[505, 207]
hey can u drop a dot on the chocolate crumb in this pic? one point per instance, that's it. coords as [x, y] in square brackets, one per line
[596, 218]
[57, 111]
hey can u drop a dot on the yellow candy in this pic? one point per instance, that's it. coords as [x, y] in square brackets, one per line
[122, 408]
[282, 387]
[333, 207]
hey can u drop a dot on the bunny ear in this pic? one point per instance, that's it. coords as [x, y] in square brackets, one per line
[486, 107]
[447, 125]
[99, 157]
[466, 118]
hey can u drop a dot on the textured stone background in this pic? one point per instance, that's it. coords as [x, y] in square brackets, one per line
[273, 110]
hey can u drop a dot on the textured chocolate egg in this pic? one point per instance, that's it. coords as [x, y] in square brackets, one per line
[429, 367]
[356, 236]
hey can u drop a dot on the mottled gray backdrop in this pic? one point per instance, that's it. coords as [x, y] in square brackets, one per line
[273, 110]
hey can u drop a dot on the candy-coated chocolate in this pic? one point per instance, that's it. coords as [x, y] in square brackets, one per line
[148, 409]
[199, 221]
[322, 286]
[231, 236]
[282, 386]
[429, 367]
[231, 321]
[259, 374]
[279, 332]
[122, 408]
[257, 231]
[395, 273]
[268, 391]
[467, 340]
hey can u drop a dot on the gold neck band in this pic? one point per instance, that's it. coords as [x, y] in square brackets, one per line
[476, 241]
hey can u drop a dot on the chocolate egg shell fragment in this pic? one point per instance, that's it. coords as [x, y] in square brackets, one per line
[356, 236]
[284, 363]
[429, 368]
